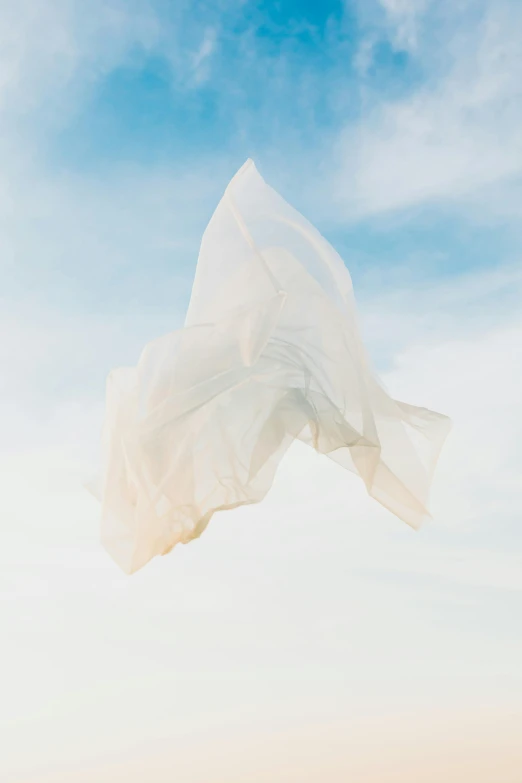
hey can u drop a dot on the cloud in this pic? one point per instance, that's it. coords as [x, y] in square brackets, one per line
[48, 49]
[403, 17]
[437, 308]
[200, 61]
[457, 133]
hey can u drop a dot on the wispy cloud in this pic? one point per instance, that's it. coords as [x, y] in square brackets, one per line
[404, 17]
[200, 60]
[454, 135]
[47, 50]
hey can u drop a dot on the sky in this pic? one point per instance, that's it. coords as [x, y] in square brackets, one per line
[312, 637]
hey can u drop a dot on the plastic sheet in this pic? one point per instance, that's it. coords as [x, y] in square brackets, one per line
[270, 352]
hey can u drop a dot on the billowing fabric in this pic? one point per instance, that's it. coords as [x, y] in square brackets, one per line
[270, 352]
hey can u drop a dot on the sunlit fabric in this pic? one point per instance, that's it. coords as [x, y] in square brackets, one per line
[270, 352]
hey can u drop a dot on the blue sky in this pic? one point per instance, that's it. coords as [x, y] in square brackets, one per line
[320, 95]
[394, 126]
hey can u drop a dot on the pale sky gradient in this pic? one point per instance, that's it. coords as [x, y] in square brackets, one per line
[313, 637]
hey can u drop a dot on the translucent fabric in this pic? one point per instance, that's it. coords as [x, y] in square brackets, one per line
[270, 352]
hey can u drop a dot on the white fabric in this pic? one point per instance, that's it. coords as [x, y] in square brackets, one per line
[270, 352]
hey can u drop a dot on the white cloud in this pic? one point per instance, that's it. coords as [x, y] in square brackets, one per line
[200, 61]
[48, 48]
[452, 137]
[403, 17]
